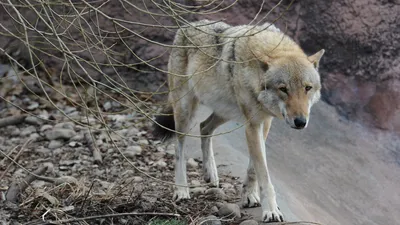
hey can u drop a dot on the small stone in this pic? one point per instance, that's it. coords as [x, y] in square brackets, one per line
[65, 125]
[143, 142]
[27, 131]
[160, 163]
[60, 133]
[229, 210]
[74, 144]
[14, 131]
[128, 173]
[57, 151]
[196, 183]
[43, 150]
[33, 120]
[214, 209]
[46, 127]
[215, 194]
[69, 110]
[55, 144]
[132, 151]
[160, 149]
[34, 136]
[33, 106]
[197, 191]
[191, 163]
[107, 106]
[78, 137]
[210, 220]
[137, 179]
[170, 149]
[249, 222]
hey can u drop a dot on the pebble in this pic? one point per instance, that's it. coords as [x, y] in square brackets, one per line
[132, 151]
[33, 106]
[107, 106]
[160, 163]
[249, 222]
[191, 163]
[33, 120]
[46, 127]
[65, 125]
[34, 136]
[55, 144]
[197, 191]
[27, 131]
[215, 194]
[14, 131]
[143, 142]
[229, 210]
[195, 182]
[60, 133]
[210, 220]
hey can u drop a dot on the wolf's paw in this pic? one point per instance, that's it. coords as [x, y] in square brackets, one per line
[251, 199]
[211, 175]
[273, 216]
[181, 193]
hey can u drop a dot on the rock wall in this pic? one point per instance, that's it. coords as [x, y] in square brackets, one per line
[360, 69]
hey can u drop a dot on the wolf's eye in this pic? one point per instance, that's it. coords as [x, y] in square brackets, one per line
[308, 88]
[283, 89]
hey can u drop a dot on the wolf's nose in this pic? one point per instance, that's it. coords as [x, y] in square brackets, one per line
[300, 122]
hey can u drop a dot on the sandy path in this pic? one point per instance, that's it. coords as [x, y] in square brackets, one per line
[333, 172]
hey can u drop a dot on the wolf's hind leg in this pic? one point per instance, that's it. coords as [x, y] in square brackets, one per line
[183, 111]
[207, 127]
[251, 194]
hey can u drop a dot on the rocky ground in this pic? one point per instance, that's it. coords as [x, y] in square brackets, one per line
[54, 172]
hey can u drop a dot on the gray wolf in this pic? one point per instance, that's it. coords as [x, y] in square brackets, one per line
[249, 74]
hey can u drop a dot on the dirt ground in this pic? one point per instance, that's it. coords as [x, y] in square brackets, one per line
[79, 178]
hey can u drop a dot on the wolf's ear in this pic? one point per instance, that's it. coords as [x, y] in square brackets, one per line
[314, 59]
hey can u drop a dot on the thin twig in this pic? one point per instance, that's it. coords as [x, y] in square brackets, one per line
[112, 215]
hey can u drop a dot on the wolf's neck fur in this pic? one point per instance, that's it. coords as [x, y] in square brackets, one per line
[274, 45]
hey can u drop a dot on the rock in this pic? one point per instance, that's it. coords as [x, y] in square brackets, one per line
[33, 120]
[170, 149]
[228, 188]
[78, 137]
[214, 209]
[197, 191]
[107, 106]
[46, 127]
[195, 183]
[137, 179]
[33, 106]
[14, 131]
[65, 125]
[191, 163]
[55, 144]
[215, 194]
[133, 151]
[60, 133]
[143, 142]
[249, 222]
[74, 144]
[210, 220]
[160, 163]
[34, 136]
[229, 210]
[27, 131]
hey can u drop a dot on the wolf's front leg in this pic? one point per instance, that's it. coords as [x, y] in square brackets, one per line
[254, 136]
[181, 189]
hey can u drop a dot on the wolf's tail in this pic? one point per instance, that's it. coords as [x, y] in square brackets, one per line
[166, 120]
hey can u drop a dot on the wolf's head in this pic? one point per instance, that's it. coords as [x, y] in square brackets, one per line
[290, 86]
